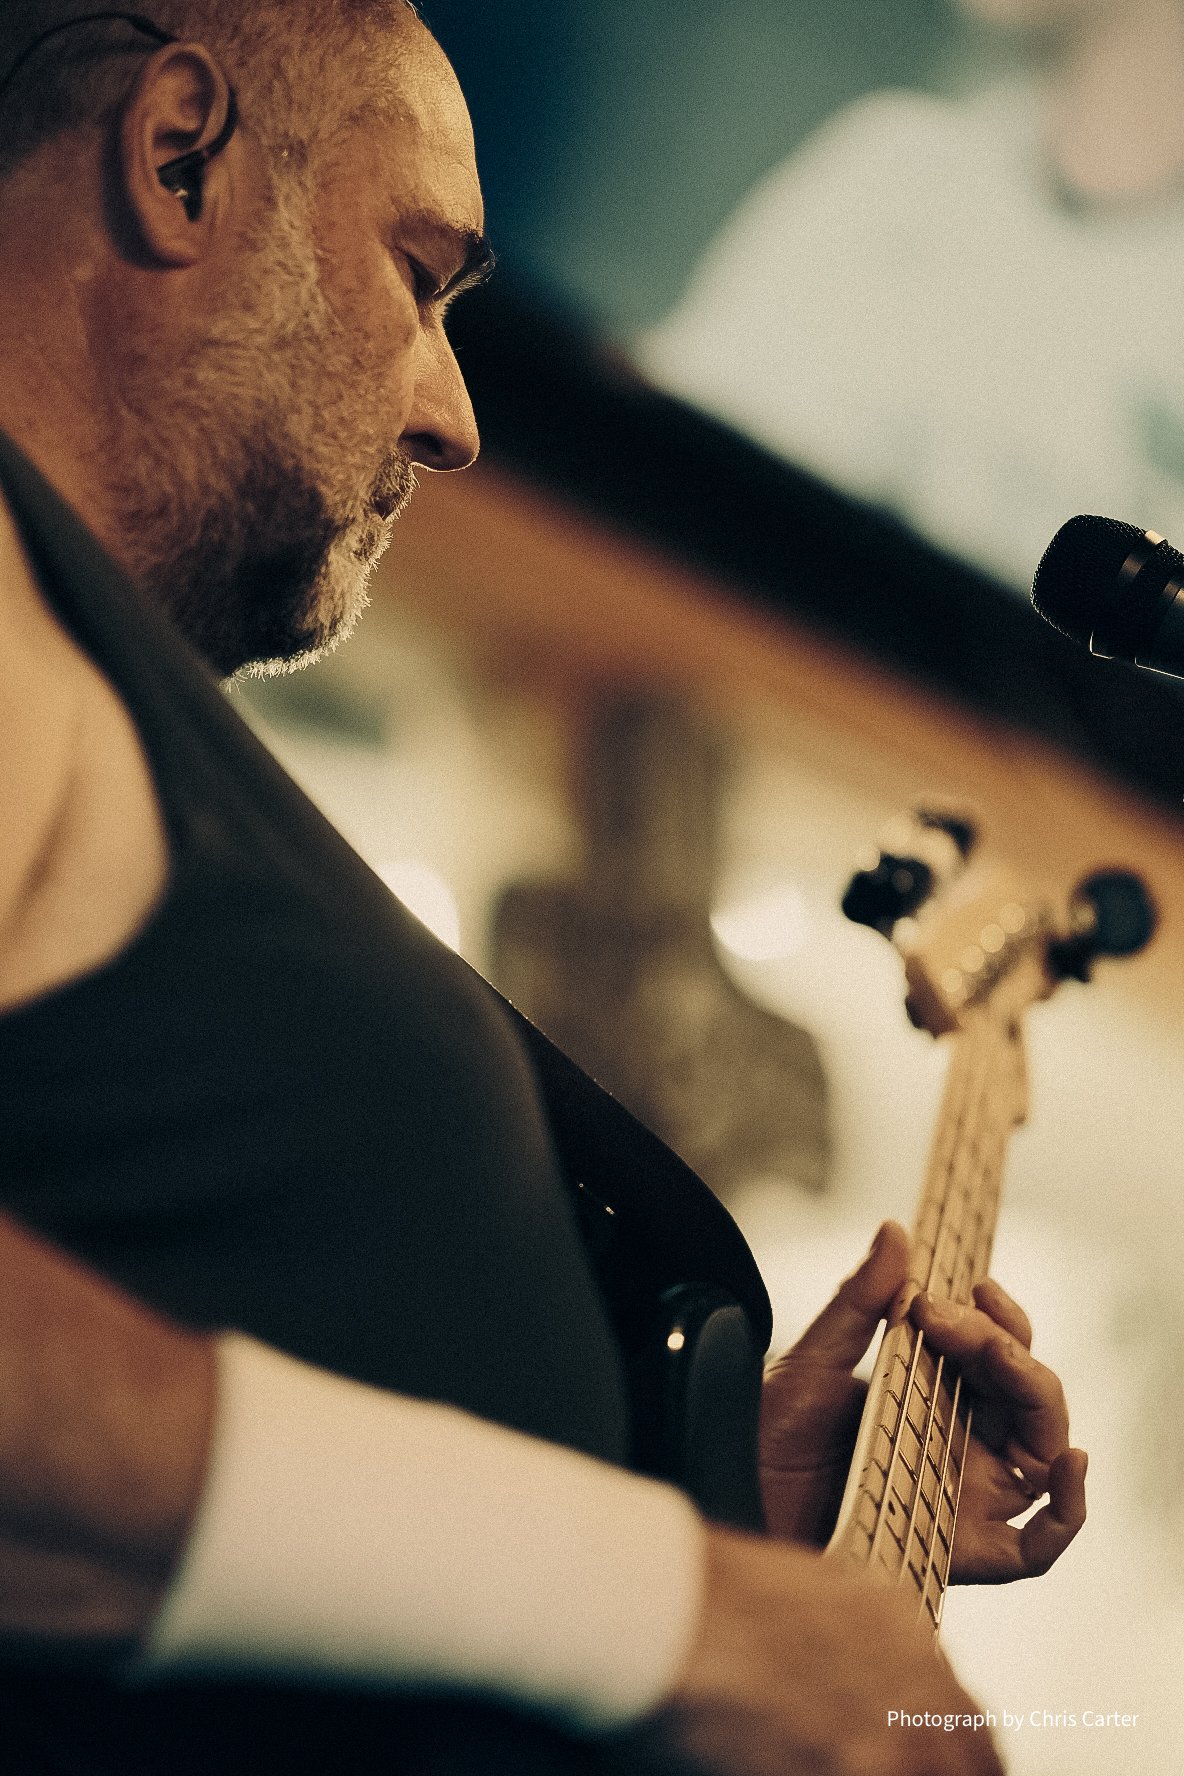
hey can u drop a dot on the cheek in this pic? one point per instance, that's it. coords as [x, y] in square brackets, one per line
[374, 317]
[396, 317]
[362, 385]
[388, 340]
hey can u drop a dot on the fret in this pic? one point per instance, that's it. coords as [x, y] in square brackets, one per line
[909, 1480]
[939, 1551]
[925, 1231]
[880, 1557]
[881, 1452]
[921, 1564]
[926, 1524]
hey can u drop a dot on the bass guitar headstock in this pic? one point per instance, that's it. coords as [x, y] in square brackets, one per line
[973, 938]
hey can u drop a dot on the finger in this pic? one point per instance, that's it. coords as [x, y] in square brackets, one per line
[844, 1328]
[992, 1425]
[1032, 1473]
[999, 1306]
[1048, 1533]
[1009, 1496]
[1012, 1488]
[1034, 1394]
[995, 1490]
[994, 1430]
[999, 1367]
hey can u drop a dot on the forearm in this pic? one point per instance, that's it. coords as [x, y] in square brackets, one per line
[349, 1534]
[105, 1421]
[213, 1505]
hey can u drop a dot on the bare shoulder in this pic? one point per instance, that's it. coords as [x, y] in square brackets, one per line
[41, 685]
[83, 849]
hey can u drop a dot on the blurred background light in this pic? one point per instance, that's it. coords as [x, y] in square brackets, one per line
[765, 926]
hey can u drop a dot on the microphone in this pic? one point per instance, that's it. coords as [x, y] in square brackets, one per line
[1117, 590]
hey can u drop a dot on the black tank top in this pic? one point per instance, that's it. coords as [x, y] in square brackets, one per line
[285, 1108]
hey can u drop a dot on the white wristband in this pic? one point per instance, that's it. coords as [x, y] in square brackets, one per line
[352, 1534]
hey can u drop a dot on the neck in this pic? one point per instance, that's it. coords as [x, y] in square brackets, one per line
[54, 349]
[52, 432]
[1112, 116]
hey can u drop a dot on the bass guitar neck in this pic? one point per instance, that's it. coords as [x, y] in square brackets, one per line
[978, 953]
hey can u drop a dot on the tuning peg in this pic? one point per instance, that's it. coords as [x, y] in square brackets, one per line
[890, 891]
[1112, 914]
[899, 881]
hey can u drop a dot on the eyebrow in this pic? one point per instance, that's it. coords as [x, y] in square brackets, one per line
[477, 266]
[468, 245]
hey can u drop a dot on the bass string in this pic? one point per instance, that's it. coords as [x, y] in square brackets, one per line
[986, 1149]
[962, 1191]
[960, 1095]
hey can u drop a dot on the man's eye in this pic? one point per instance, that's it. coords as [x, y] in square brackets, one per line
[424, 282]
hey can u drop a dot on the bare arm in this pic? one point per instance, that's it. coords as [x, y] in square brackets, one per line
[39, 718]
[104, 1429]
[105, 1408]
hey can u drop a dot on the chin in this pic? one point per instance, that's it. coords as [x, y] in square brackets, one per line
[328, 612]
[336, 602]
[369, 541]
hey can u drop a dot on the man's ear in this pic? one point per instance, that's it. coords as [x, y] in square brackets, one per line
[180, 105]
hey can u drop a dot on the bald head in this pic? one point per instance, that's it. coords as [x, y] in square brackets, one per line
[294, 63]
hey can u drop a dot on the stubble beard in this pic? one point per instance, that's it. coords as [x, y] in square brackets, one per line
[240, 511]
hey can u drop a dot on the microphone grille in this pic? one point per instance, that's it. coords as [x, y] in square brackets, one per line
[1078, 571]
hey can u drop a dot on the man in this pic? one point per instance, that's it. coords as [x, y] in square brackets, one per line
[241, 1085]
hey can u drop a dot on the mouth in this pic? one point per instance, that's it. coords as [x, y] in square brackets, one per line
[389, 506]
[371, 531]
[391, 500]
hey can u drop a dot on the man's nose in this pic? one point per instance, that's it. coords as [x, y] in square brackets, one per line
[441, 430]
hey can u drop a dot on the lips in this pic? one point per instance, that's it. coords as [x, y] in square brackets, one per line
[389, 505]
[393, 491]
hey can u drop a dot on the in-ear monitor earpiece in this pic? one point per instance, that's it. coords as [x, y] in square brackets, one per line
[183, 177]
[184, 174]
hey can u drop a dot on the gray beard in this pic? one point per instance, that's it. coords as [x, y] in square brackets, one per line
[269, 580]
